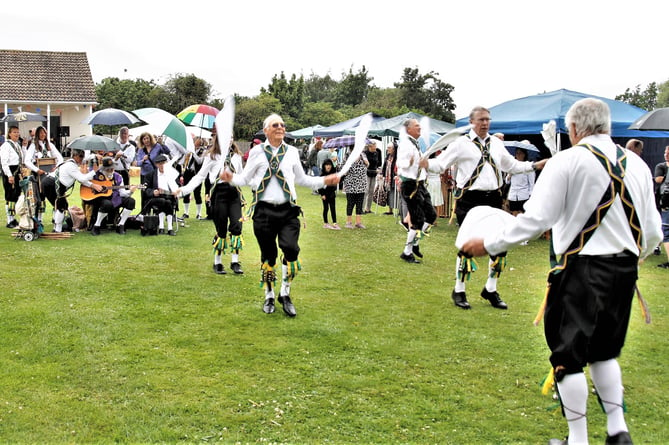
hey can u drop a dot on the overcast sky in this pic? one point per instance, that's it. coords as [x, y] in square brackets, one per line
[490, 51]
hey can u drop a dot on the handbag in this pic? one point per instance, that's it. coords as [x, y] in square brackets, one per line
[380, 194]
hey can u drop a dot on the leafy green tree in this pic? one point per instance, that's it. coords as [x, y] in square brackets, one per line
[353, 88]
[646, 99]
[250, 113]
[289, 92]
[320, 89]
[182, 91]
[319, 113]
[663, 95]
[427, 93]
[125, 94]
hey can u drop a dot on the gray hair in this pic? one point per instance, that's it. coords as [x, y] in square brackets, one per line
[407, 123]
[476, 109]
[269, 119]
[590, 116]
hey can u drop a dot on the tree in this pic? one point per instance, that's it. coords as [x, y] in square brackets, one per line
[250, 113]
[646, 99]
[289, 92]
[663, 95]
[433, 100]
[182, 91]
[320, 89]
[125, 94]
[319, 113]
[353, 88]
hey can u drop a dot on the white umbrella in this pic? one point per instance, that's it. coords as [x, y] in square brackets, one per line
[163, 123]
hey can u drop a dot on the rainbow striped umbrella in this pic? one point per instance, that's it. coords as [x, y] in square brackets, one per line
[199, 115]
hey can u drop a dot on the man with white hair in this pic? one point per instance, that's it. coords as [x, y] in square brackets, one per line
[272, 170]
[599, 202]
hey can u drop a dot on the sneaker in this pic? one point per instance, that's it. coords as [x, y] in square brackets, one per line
[360, 226]
[327, 226]
[335, 226]
[349, 225]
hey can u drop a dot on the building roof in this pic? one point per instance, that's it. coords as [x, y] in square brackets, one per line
[45, 76]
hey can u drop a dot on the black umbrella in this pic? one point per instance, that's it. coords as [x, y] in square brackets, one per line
[657, 119]
[94, 143]
[111, 116]
[23, 116]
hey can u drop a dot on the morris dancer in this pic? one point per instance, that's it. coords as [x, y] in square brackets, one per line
[226, 203]
[599, 202]
[272, 170]
[419, 203]
[58, 183]
[480, 160]
[39, 148]
[11, 159]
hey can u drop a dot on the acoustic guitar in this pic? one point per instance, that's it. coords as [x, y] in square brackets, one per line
[89, 194]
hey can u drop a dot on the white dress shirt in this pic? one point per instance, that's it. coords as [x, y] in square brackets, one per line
[408, 157]
[68, 172]
[211, 167]
[566, 194]
[290, 166]
[9, 156]
[466, 154]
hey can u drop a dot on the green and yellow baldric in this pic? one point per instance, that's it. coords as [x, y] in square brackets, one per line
[272, 170]
[485, 157]
[616, 188]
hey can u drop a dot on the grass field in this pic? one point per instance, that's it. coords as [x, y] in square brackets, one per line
[134, 339]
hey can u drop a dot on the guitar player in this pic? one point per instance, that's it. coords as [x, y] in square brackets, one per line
[114, 196]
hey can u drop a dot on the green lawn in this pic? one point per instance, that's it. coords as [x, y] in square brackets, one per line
[134, 339]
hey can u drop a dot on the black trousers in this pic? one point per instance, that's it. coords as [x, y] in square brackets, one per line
[272, 224]
[419, 203]
[474, 198]
[50, 192]
[226, 208]
[588, 310]
[12, 191]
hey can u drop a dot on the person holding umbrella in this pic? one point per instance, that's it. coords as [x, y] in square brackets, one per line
[11, 158]
[272, 170]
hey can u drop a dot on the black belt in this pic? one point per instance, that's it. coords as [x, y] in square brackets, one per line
[272, 205]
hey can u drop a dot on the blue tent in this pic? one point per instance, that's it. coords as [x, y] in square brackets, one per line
[338, 129]
[391, 126]
[528, 114]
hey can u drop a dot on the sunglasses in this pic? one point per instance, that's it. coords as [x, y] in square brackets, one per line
[278, 124]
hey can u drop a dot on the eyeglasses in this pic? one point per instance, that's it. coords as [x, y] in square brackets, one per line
[278, 124]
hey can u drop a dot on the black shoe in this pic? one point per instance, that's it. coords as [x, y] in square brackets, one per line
[409, 258]
[663, 265]
[288, 307]
[493, 298]
[13, 223]
[95, 231]
[120, 230]
[416, 251]
[268, 307]
[236, 268]
[185, 216]
[622, 438]
[171, 233]
[161, 231]
[657, 251]
[219, 269]
[460, 300]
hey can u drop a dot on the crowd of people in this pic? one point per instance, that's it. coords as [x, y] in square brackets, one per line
[599, 200]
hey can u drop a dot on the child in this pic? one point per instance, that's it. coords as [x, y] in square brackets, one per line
[328, 194]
